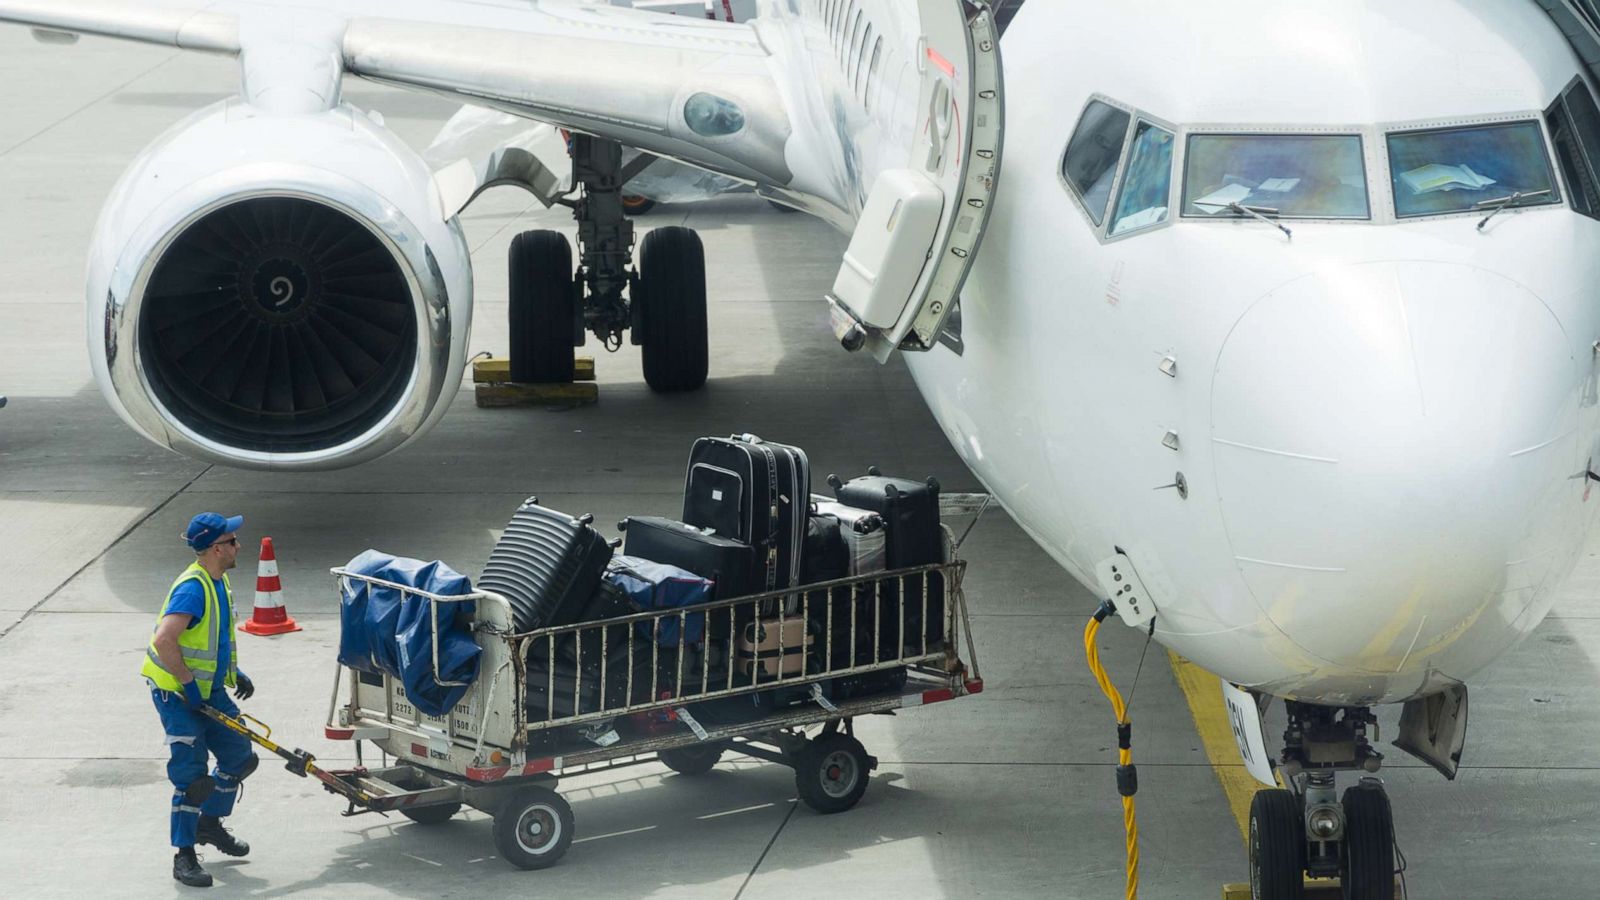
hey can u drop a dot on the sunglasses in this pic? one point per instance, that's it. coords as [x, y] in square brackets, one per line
[233, 540]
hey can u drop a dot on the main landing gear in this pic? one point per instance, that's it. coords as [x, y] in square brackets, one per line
[662, 300]
[1313, 830]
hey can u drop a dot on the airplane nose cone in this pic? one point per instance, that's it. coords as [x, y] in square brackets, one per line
[1395, 449]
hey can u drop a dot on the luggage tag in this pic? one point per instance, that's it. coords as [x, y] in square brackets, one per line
[816, 694]
[694, 726]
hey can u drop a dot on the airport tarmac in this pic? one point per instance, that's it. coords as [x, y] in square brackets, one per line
[1007, 794]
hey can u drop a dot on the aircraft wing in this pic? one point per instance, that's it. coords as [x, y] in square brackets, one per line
[194, 27]
[615, 72]
[769, 102]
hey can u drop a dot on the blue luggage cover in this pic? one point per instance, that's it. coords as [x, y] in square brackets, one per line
[653, 586]
[382, 634]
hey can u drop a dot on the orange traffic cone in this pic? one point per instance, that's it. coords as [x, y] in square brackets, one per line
[270, 616]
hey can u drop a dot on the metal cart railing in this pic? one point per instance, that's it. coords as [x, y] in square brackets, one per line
[683, 702]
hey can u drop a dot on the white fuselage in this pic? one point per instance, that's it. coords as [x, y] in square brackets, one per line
[1383, 425]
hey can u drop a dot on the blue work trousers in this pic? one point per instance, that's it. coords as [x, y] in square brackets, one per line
[190, 736]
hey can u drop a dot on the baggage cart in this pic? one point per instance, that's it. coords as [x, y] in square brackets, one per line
[491, 753]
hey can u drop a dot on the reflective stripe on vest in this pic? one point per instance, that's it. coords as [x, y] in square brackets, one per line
[197, 646]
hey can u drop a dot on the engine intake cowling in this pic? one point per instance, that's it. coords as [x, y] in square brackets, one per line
[279, 291]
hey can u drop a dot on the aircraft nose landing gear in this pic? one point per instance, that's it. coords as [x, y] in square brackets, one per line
[663, 300]
[1310, 829]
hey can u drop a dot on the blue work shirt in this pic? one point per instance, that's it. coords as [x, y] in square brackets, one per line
[190, 598]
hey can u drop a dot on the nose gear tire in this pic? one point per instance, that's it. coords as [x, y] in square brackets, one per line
[672, 291]
[1277, 846]
[542, 307]
[1367, 869]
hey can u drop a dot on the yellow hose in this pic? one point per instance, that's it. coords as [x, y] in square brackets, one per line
[1124, 749]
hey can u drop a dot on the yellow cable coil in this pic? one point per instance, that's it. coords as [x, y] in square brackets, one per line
[1124, 750]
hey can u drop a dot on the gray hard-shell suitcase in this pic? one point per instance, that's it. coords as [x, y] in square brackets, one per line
[548, 564]
[756, 492]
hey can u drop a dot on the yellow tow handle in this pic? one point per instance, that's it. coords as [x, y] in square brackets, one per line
[298, 761]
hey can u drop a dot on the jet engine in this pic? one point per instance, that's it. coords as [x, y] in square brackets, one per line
[279, 291]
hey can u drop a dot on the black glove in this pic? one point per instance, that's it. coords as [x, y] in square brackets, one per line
[191, 696]
[244, 688]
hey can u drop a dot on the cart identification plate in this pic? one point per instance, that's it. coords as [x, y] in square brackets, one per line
[1244, 717]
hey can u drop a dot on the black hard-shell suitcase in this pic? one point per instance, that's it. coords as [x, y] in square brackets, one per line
[910, 511]
[756, 492]
[547, 564]
[728, 562]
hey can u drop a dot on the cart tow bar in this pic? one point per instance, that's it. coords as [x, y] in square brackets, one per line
[296, 760]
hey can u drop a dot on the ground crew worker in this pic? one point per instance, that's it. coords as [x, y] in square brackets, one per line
[191, 656]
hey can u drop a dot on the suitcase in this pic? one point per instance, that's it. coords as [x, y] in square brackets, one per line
[827, 553]
[913, 537]
[756, 492]
[729, 563]
[570, 698]
[547, 564]
[769, 648]
[868, 684]
[609, 602]
[655, 586]
[863, 532]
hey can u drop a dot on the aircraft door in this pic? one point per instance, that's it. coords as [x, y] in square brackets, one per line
[921, 225]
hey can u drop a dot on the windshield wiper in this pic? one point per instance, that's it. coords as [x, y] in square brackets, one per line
[1261, 212]
[1500, 203]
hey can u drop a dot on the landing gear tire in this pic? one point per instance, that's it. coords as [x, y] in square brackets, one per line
[692, 760]
[1277, 847]
[671, 291]
[533, 828]
[635, 205]
[432, 815]
[1367, 867]
[543, 308]
[831, 773]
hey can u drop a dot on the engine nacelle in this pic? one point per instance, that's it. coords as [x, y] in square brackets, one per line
[279, 291]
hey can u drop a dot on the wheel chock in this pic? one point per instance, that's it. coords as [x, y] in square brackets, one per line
[1316, 889]
[498, 371]
[494, 388]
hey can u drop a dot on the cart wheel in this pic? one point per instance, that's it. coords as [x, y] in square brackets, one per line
[692, 760]
[831, 772]
[534, 828]
[432, 815]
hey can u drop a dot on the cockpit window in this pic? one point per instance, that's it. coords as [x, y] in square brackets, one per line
[1092, 154]
[1143, 200]
[1451, 170]
[1283, 175]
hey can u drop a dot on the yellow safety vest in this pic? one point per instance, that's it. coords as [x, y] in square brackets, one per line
[197, 645]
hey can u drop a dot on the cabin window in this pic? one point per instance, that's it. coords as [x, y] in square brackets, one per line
[1090, 163]
[1142, 201]
[1575, 129]
[1306, 176]
[1451, 170]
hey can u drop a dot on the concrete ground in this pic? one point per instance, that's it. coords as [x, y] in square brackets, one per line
[1008, 794]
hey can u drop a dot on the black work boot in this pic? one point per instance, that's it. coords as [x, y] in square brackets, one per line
[186, 868]
[211, 832]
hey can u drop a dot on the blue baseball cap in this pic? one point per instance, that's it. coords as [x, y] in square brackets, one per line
[205, 528]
